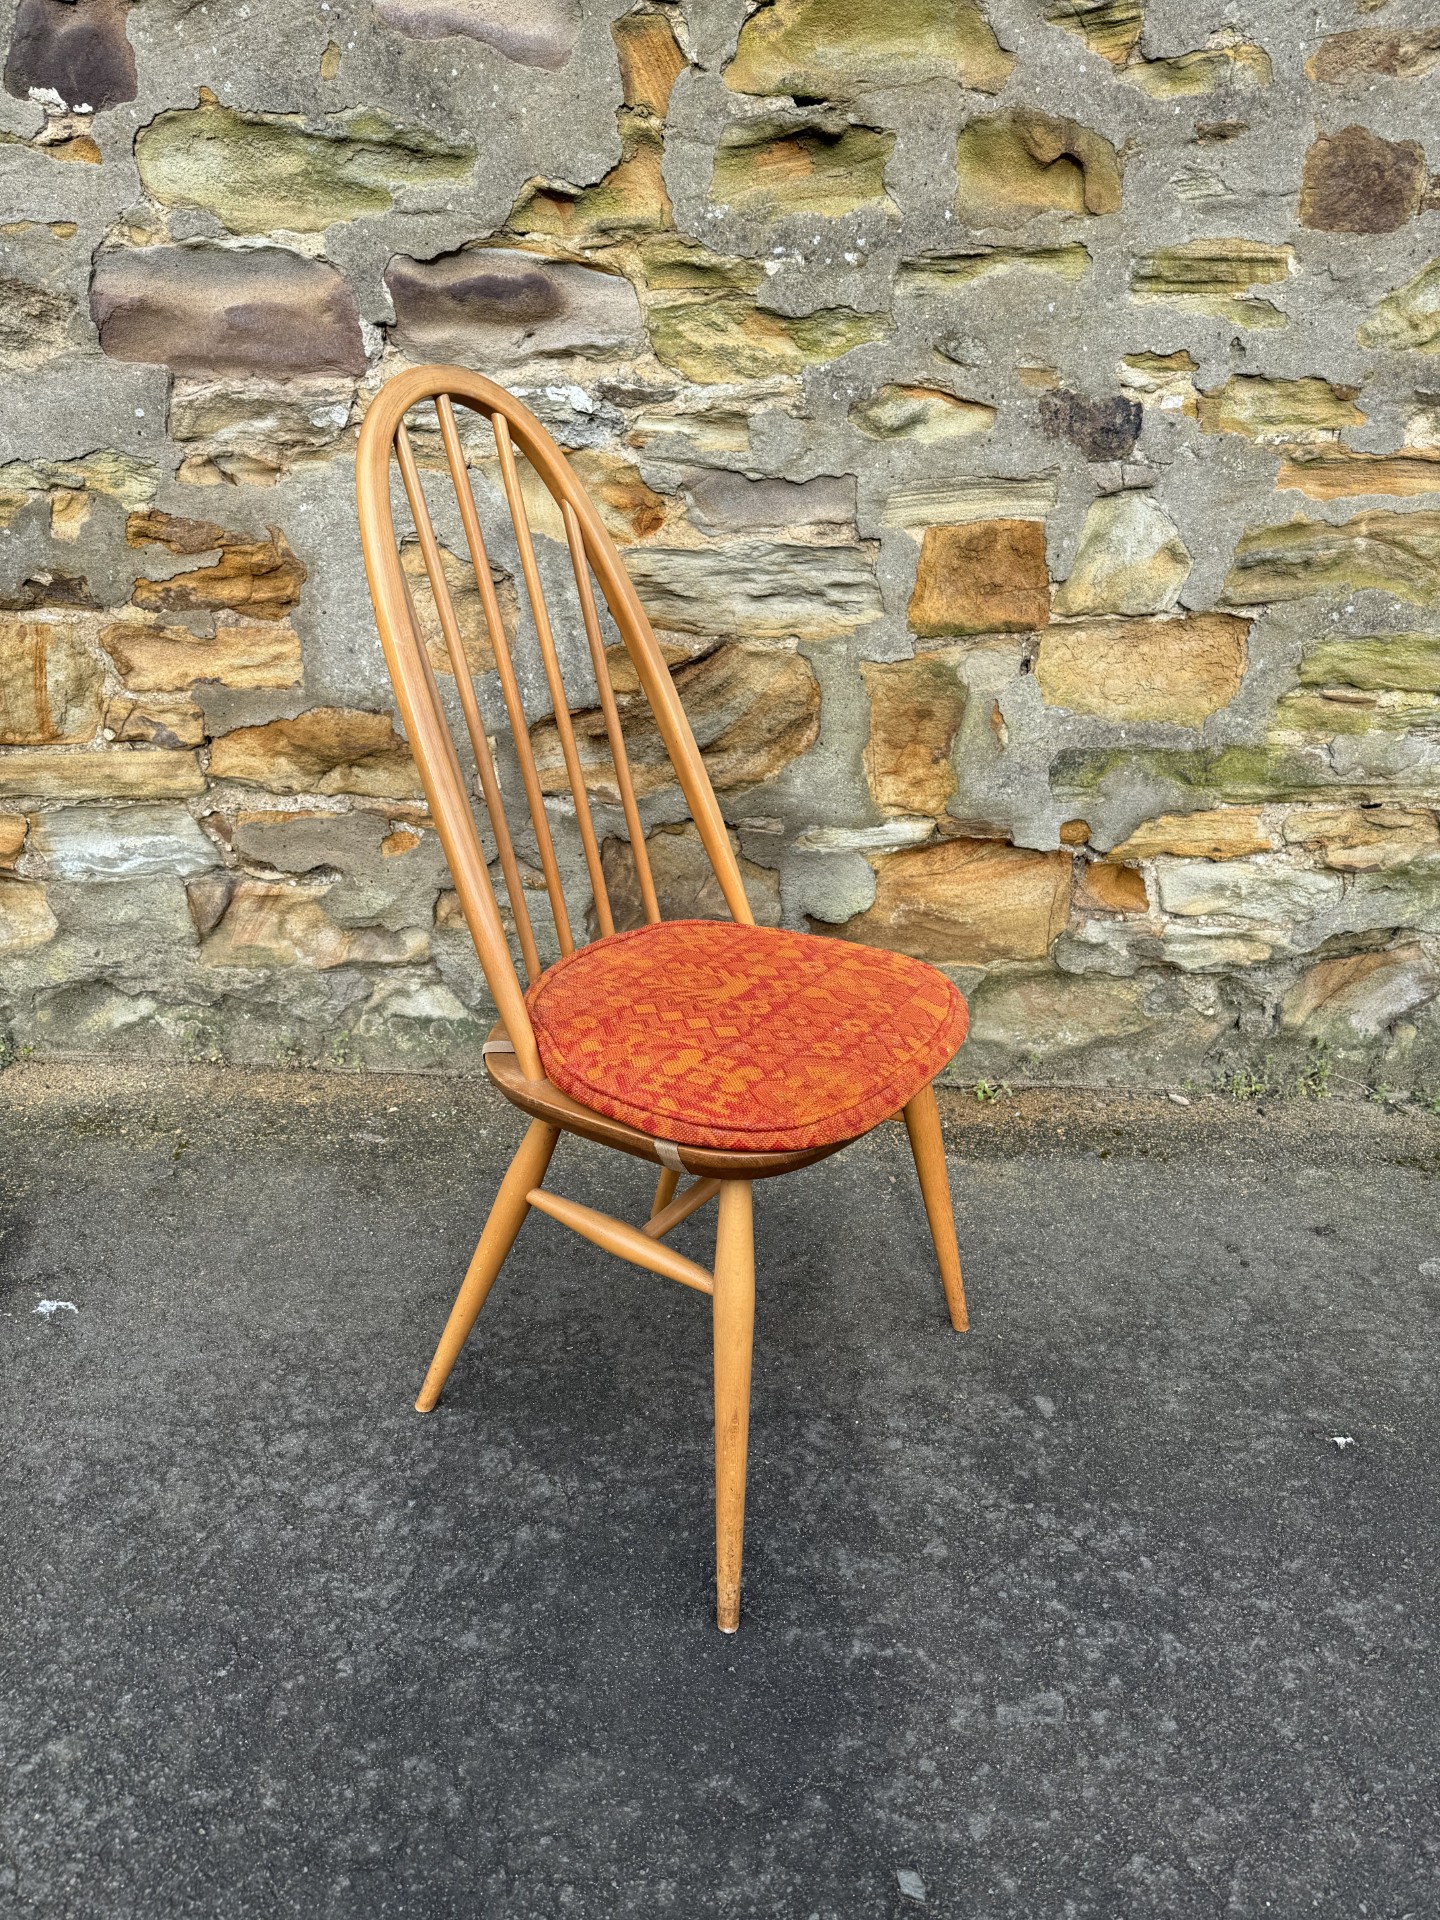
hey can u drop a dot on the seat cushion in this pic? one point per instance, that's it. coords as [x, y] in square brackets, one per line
[743, 1038]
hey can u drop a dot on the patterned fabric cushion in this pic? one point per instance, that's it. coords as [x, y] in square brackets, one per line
[715, 1035]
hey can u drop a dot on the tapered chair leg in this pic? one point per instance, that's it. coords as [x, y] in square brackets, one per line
[506, 1218]
[734, 1319]
[664, 1190]
[922, 1123]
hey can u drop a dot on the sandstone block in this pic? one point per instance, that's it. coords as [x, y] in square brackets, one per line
[256, 172]
[630, 509]
[1279, 412]
[631, 200]
[1355, 182]
[1108, 886]
[541, 33]
[1335, 473]
[685, 883]
[258, 578]
[1164, 381]
[1211, 833]
[718, 338]
[1343, 59]
[923, 414]
[836, 49]
[1179, 671]
[281, 924]
[1216, 277]
[326, 750]
[916, 707]
[79, 55]
[252, 431]
[1244, 890]
[1130, 559]
[769, 169]
[1359, 995]
[1218, 949]
[36, 324]
[1184, 75]
[117, 773]
[1331, 713]
[1396, 553]
[154, 720]
[217, 310]
[966, 902]
[115, 843]
[723, 502]
[13, 828]
[944, 273]
[989, 576]
[155, 659]
[1014, 165]
[1046, 1015]
[758, 588]
[966, 497]
[752, 710]
[650, 61]
[49, 683]
[119, 476]
[26, 921]
[1109, 28]
[1407, 320]
[1267, 771]
[1364, 839]
[1402, 662]
[489, 306]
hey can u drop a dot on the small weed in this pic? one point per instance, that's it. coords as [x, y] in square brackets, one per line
[340, 1053]
[1313, 1080]
[1246, 1084]
[986, 1090]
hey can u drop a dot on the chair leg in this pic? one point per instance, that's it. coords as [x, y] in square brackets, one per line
[664, 1190]
[922, 1123]
[507, 1216]
[734, 1322]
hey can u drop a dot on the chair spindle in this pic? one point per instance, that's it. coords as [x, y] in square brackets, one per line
[470, 706]
[553, 676]
[611, 712]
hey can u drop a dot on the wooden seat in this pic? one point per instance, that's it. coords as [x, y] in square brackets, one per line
[840, 1043]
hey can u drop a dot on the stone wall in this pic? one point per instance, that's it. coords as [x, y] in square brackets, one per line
[1022, 422]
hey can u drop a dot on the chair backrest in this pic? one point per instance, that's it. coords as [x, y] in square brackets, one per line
[422, 711]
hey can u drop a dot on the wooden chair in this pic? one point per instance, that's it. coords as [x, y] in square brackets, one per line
[725, 1051]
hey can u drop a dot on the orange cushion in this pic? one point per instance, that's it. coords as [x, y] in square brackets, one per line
[746, 1038]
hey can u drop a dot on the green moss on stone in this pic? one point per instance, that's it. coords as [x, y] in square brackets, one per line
[1402, 662]
[769, 170]
[1409, 318]
[1264, 772]
[256, 172]
[1397, 553]
[835, 49]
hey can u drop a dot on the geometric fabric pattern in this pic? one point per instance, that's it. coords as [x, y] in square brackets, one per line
[751, 1039]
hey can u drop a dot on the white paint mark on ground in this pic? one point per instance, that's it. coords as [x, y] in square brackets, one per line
[1342, 1440]
[51, 1307]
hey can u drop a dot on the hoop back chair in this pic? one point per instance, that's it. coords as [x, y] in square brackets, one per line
[725, 1051]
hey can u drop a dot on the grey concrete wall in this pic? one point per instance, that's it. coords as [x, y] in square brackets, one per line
[1022, 422]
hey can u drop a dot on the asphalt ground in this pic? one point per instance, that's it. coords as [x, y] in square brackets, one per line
[1123, 1603]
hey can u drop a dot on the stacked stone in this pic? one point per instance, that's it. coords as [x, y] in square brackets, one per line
[1016, 421]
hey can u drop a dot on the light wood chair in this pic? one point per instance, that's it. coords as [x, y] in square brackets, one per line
[513, 1052]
